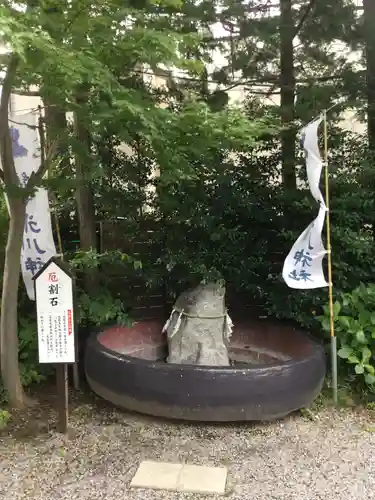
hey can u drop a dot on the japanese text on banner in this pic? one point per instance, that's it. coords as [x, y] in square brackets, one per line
[303, 267]
[38, 245]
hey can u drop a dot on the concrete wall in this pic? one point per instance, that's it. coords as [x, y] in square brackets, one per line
[22, 104]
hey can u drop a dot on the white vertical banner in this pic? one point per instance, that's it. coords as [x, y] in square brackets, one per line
[38, 245]
[314, 163]
[303, 267]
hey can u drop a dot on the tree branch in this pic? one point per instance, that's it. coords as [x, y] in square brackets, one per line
[270, 79]
[28, 93]
[249, 10]
[274, 80]
[303, 18]
[36, 177]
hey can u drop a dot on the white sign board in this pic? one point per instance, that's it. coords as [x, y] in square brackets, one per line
[55, 314]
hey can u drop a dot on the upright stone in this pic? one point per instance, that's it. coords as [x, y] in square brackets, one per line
[198, 328]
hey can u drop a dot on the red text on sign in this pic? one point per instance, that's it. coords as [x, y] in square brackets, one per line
[70, 322]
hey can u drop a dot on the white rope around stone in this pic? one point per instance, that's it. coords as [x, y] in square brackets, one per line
[165, 327]
[228, 327]
[228, 323]
[177, 325]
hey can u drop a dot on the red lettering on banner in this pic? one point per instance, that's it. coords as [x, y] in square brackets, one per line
[52, 277]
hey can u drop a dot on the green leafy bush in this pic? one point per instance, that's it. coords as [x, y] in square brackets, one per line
[31, 370]
[226, 216]
[232, 220]
[101, 306]
[94, 309]
[354, 318]
[101, 309]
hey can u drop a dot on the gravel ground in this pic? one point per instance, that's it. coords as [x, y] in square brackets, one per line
[330, 458]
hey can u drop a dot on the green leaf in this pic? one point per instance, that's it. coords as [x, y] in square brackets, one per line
[370, 369]
[326, 310]
[345, 352]
[363, 289]
[369, 379]
[326, 324]
[336, 309]
[359, 369]
[344, 321]
[365, 317]
[373, 318]
[361, 337]
[353, 360]
[366, 354]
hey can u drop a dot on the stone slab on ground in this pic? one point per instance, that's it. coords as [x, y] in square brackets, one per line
[180, 477]
[202, 479]
[157, 476]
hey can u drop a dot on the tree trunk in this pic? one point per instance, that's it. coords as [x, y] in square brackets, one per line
[84, 194]
[287, 93]
[10, 372]
[54, 104]
[56, 124]
[369, 28]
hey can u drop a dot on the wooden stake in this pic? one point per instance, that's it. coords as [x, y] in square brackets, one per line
[62, 397]
[330, 284]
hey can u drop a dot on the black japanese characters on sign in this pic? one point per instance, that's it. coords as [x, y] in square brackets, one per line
[53, 291]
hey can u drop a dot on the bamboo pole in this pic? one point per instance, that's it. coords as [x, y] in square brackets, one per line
[329, 255]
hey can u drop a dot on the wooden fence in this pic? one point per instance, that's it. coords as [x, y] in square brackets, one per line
[146, 301]
[153, 301]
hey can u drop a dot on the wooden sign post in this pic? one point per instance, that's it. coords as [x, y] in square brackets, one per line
[54, 295]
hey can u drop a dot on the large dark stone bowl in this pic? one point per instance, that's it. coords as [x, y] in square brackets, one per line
[275, 370]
